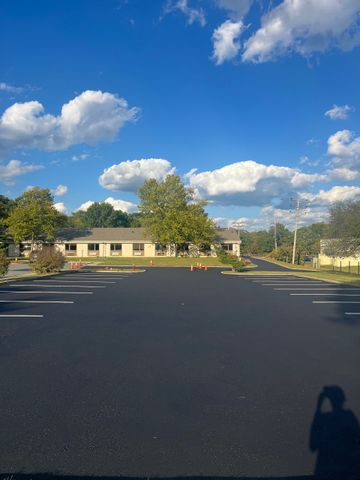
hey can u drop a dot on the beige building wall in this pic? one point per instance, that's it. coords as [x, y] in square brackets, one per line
[149, 250]
[127, 249]
[337, 261]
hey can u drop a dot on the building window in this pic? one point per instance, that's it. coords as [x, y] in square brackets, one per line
[93, 249]
[116, 249]
[138, 249]
[228, 247]
[70, 249]
[160, 250]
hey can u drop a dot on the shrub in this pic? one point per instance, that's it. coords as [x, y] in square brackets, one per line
[282, 254]
[4, 263]
[233, 260]
[46, 260]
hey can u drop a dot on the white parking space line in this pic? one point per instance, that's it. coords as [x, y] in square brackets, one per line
[35, 301]
[78, 277]
[74, 281]
[270, 277]
[98, 274]
[21, 316]
[333, 301]
[326, 294]
[352, 313]
[31, 285]
[324, 288]
[43, 293]
[291, 280]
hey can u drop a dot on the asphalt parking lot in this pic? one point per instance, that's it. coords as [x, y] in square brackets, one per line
[171, 372]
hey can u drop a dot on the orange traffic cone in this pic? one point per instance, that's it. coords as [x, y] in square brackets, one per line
[206, 268]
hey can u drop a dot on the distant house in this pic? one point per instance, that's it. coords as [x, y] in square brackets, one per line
[132, 242]
[336, 261]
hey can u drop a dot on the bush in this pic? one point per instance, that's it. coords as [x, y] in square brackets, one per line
[282, 254]
[4, 263]
[46, 260]
[233, 260]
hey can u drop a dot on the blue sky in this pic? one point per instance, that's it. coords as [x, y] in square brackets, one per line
[236, 89]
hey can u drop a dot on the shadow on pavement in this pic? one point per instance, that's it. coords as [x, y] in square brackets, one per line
[335, 437]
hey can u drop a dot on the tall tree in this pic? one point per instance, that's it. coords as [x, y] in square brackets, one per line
[172, 216]
[6, 204]
[34, 217]
[102, 215]
[344, 230]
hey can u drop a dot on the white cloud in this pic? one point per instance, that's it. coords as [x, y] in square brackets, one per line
[335, 194]
[193, 14]
[84, 206]
[304, 27]
[249, 183]
[236, 8]
[78, 158]
[60, 207]
[5, 87]
[88, 118]
[123, 205]
[60, 190]
[343, 144]
[339, 112]
[225, 41]
[15, 168]
[313, 214]
[128, 176]
[343, 173]
[267, 215]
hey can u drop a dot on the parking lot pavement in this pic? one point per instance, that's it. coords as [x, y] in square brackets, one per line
[170, 373]
[319, 292]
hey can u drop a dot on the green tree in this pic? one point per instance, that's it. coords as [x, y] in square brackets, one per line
[135, 220]
[34, 217]
[308, 240]
[102, 215]
[283, 235]
[344, 230]
[6, 204]
[172, 216]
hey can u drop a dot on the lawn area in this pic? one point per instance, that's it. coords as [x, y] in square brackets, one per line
[354, 269]
[157, 261]
[287, 265]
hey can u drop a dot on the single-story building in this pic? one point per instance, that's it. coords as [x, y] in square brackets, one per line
[336, 261]
[131, 242]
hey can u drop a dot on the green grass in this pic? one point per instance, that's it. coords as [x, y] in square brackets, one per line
[287, 265]
[344, 269]
[146, 261]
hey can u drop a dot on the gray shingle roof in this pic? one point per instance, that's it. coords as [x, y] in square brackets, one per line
[121, 234]
[103, 235]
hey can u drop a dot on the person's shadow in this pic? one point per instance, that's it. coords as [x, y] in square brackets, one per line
[335, 436]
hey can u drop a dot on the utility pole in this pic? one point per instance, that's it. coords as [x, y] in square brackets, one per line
[297, 217]
[275, 231]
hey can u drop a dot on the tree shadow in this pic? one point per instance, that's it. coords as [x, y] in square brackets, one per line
[335, 437]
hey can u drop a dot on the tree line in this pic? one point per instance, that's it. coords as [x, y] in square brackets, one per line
[277, 242]
[171, 214]
[168, 210]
